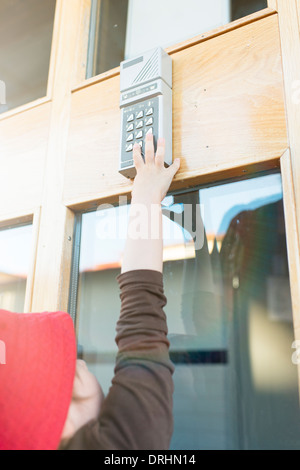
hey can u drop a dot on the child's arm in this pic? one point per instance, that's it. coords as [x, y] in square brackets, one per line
[137, 412]
[150, 187]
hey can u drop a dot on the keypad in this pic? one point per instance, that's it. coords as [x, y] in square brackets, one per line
[139, 120]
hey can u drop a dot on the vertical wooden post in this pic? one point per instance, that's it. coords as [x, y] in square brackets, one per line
[83, 43]
[54, 251]
[292, 238]
[272, 4]
[288, 17]
[31, 273]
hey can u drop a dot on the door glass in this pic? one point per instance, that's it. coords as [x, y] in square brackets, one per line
[25, 44]
[122, 30]
[240, 8]
[229, 312]
[15, 255]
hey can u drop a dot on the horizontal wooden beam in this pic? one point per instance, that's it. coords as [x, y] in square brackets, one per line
[25, 107]
[9, 220]
[228, 116]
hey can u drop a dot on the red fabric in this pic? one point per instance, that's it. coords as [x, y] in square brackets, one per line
[36, 380]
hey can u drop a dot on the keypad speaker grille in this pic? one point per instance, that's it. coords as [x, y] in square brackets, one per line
[150, 69]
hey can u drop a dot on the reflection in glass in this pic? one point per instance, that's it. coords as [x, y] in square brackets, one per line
[15, 252]
[122, 30]
[25, 43]
[229, 313]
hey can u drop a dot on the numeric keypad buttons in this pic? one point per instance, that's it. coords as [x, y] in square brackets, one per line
[149, 122]
[129, 127]
[140, 119]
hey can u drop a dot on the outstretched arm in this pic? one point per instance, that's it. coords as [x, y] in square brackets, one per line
[137, 412]
[144, 247]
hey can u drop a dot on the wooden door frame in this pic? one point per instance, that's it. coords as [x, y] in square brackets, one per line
[52, 122]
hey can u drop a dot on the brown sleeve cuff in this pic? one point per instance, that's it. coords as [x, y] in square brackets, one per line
[140, 275]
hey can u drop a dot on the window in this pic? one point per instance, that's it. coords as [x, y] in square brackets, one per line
[25, 44]
[240, 8]
[15, 255]
[229, 312]
[121, 30]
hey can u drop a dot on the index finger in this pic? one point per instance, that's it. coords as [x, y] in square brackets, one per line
[149, 149]
[137, 156]
[160, 153]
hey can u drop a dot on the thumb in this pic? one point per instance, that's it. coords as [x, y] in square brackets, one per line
[174, 167]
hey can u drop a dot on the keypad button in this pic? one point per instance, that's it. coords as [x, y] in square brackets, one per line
[149, 112]
[129, 138]
[139, 135]
[130, 128]
[130, 118]
[140, 124]
[140, 114]
[129, 148]
[149, 122]
[150, 131]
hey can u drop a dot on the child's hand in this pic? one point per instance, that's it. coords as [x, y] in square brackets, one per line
[153, 180]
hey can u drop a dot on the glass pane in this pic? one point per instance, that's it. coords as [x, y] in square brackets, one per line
[229, 313]
[15, 255]
[25, 43]
[240, 8]
[122, 30]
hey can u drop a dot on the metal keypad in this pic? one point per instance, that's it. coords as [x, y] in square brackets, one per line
[138, 119]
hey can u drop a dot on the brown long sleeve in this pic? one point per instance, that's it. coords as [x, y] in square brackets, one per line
[137, 412]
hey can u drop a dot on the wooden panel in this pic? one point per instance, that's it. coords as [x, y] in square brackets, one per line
[229, 106]
[228, 113]
[24, 140]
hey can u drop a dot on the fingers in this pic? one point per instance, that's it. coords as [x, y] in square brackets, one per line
[159, 159]
[137, 156]
[160, 153]
[174, 167]
[149, 149]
